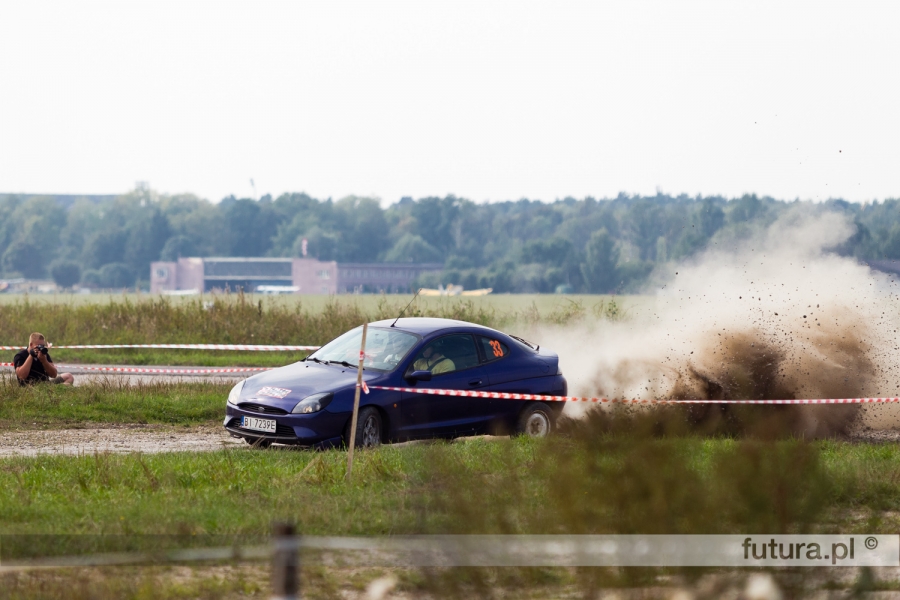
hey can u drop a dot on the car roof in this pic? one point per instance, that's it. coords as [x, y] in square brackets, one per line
[426, 325]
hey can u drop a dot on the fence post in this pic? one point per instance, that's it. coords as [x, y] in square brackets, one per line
[359, 379]
[285, 565]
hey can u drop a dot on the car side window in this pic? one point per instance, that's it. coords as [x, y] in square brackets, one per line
[493, 349]
[447, 354]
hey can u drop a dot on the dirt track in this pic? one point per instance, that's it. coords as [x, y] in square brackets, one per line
[123, 438]
[161, 438]
[152, 439]
[84, 375]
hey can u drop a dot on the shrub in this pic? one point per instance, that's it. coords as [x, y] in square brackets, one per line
[65, 273]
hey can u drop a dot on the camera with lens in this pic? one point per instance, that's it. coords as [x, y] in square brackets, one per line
[39, 349]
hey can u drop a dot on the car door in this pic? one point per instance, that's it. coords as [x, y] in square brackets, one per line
[502, 374]
[455, 364]
[512, 370]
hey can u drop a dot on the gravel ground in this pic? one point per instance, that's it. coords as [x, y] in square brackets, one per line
[123, 438]
[84, 376]
[161, 438]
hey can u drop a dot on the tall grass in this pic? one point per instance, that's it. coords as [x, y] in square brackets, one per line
[221, 319]
[237, 319]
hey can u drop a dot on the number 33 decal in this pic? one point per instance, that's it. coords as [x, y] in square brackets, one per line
[498, 350]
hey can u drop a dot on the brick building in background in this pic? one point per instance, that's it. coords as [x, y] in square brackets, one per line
[305, 275]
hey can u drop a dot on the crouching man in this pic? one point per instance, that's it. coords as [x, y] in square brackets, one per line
[34, 365]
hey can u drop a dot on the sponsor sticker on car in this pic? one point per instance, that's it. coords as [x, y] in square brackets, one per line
[273, 392]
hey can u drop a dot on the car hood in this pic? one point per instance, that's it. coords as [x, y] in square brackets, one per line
[297, 381]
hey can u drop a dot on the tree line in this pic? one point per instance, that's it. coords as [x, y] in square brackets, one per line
[570, 245]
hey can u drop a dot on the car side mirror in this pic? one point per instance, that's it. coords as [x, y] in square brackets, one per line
[420, 375]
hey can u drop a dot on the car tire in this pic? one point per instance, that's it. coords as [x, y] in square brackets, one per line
[369, 430]
[535, 420]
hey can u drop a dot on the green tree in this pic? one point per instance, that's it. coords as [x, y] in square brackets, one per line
[147, 236]
[243, 233]
[412, 248]
[600, 260]
[712, 218]
[645, 224]
[199, 220]
[364, 233]
[23, 256]
[437, 217]
[91, 278]
[890, 248]
[104, 247]
[116, 275]
[320, 244]
[178, 246]
[65, 272]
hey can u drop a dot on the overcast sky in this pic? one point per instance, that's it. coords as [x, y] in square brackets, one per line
[486, 100]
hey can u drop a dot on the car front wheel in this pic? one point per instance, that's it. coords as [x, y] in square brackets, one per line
[368, 429]
[535, 420]
[258, 442]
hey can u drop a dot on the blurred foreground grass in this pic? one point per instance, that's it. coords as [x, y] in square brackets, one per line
[638, 474]
[251, 581]
[609, 484]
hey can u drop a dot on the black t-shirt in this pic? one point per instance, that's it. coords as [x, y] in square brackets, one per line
[37, 369]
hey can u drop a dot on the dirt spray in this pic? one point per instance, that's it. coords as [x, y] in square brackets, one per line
[776, 315]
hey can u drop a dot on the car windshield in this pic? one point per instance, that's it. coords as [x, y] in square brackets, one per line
[385, 348]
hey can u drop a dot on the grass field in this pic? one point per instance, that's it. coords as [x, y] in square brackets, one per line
[576, 483]
[64, 406]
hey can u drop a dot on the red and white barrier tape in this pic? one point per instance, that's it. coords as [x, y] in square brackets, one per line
[151, 371]
[494, 395]
[242, 347]
[506, 396]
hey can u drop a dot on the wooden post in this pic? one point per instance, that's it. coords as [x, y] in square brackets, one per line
[285, 566]
[359, 374]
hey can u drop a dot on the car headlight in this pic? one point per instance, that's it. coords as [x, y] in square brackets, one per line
[235, 392]
[313, 403]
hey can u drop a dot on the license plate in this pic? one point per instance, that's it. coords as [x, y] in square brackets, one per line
[267, 425]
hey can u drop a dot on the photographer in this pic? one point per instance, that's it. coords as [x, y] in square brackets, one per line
[34, 364]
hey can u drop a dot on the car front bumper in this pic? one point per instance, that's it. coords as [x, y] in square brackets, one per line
[321, 429]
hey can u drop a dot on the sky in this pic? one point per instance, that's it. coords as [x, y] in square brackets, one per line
[485, 100]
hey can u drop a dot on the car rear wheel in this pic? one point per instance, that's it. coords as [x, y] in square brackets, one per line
[368, 429]
[535, 420]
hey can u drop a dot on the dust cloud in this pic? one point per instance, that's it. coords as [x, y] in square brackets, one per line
[777, 315]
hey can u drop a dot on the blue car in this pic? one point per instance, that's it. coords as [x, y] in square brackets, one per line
[310, 403]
